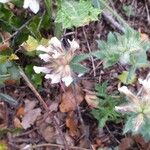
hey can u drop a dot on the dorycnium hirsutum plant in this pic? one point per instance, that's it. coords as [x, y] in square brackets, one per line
[60, 61]
[137, 110]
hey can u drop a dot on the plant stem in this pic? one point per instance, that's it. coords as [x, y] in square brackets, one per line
[116, 15]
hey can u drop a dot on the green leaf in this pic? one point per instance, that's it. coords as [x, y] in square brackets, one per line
[73, 13]
[78, 68]
[79, 58]
[31, 44]
[35, 78]
[124, 78]
[8, 99]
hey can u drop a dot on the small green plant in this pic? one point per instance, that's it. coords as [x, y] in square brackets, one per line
[128, 48]
[137, 110]
[106, 111]
[73, 13]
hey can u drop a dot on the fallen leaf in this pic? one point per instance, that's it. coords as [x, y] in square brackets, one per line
[70, 99]
[126, 143]
[92, 100]
[17, 123]
[20, 112]
[71, 123]
[30, 117]
[69, 140]
[145, 37]
[31, 114]
[5, 45]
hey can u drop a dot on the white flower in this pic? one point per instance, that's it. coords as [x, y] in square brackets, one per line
[146, 85]
[4, 1]
[32, 4]
[57, 61]
[129, 94]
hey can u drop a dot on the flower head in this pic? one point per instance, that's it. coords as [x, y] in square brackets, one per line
[4, 1]
[139, 105]
[57, 59]
[32, 4]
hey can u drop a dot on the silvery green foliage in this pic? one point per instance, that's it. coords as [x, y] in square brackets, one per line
[74, 13]
[137, 110]
[128, 48]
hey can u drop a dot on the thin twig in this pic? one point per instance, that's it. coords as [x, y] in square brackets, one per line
[88, 46]
[56, 145]
[112, 135]
[108, 16]
[33, 89]
[18, 30]
[44, 105]
[80, 116]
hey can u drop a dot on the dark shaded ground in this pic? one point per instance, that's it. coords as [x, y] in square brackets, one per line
[109, 137]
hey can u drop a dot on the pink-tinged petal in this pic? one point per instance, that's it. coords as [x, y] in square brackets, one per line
[67, 80]
[4, 1]
[34, 6]
[41, 69]
[73, 44]
[45, 57]
[55, 42]
[56, 54]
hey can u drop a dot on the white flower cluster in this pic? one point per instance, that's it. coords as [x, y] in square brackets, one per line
[139, 105]
[32, 4]
[57, 60]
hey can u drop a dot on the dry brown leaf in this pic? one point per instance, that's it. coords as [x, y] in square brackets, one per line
[17, 123]
[144, 37]
[69, 140]
[71, 123]
[20, 112]
[5, 36]
[126, 143]
[31, 114]
[71, 98]
[92, 100]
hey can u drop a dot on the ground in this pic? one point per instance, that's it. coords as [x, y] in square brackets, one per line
[69, 124]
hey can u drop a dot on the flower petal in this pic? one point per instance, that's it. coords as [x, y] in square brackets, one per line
[129, 94]
[56, 78]
[146, 85]
[67, 80]
[55, 42]
[41, 69]
[26, 3]
[45, 57]
[73, 45]
[126, 108]
[4, 1]
[34, 6]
